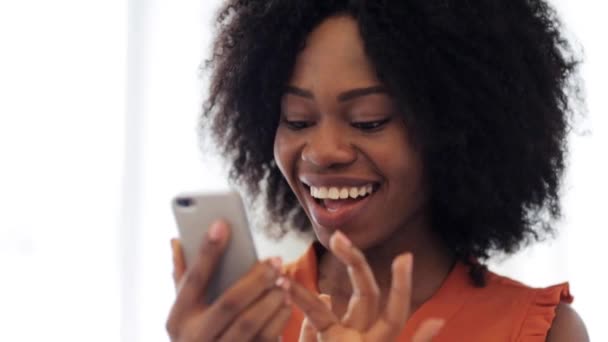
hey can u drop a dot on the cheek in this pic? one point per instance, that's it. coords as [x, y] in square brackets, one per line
[404, 165]
[401, 164]
[285, 154]
[409, 175]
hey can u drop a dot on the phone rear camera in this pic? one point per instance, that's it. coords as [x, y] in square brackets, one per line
[184, 201]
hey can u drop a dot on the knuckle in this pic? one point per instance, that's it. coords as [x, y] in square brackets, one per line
[391, 321]
[374, 291]
[259, 268]
[399, 291]
[266, 336]
[275, 295]
[208, 249]
[359, 261]
[247, 325]
[266, 273]
[229, 306]
[194, 274]
[371, 294]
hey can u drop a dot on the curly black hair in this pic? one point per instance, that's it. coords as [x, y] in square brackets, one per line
[487, 86]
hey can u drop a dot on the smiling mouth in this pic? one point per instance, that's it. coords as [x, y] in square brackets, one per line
[334, 197]
[335, 206]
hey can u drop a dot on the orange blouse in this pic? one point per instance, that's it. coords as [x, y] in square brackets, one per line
[503, 310]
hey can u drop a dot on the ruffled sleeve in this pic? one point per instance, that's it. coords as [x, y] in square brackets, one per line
[540, 315]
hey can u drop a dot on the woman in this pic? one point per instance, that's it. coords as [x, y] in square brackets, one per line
[415, 138]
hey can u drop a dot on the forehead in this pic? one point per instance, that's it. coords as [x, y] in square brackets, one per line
[334, 53]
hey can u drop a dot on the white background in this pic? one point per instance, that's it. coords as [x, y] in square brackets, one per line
[98, 109]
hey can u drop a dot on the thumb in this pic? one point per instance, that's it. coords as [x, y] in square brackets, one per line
[428, 329]
[179, 265]
[308, 333]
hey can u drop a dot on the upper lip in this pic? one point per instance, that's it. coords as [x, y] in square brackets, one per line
[334, 180]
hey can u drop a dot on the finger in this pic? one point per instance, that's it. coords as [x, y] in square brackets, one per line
[318, 314]
[251, 321]
[255, 284]
[396, 313]
[363, 305]
[179, 264]
[197, 276]
[400, 295]
[274, 328]
[326, 299]
[308, 333]
[428, 329]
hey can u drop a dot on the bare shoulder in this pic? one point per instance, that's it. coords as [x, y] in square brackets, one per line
[567, 326]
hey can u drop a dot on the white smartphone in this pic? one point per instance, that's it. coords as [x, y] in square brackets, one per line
[194, 213]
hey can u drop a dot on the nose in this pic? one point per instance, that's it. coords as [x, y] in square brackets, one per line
[329, 146]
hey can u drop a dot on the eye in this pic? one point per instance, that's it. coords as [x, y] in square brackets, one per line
[296, 125]
[370, 125]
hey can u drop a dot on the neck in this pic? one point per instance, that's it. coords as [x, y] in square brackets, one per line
[432, 264]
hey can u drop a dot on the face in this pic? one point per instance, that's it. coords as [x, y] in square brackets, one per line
[341, 143]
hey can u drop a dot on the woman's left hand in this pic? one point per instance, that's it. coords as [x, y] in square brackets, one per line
[364, 320]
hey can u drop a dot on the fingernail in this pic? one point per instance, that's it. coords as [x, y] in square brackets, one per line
[283, 283]
[409, 260]
[403, 261]
[342, 239]
[216, 232]
[326, 299]
[438, 325]
[277, 263]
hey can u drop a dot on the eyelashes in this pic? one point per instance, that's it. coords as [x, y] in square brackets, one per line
[370, 126]
[297, 125]
[365, 126]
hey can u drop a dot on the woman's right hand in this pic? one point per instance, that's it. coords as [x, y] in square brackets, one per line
[365, 319]
[254, 309]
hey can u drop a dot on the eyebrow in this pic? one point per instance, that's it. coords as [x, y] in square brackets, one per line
[342, 97]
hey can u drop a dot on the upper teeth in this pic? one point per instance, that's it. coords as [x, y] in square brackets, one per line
[334, 192]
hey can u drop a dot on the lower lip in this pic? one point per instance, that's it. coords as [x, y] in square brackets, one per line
[339, 218]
